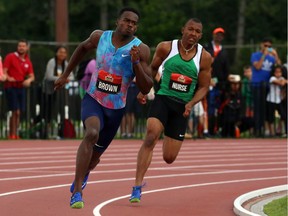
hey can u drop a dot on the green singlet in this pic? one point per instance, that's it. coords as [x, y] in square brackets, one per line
[179, 77]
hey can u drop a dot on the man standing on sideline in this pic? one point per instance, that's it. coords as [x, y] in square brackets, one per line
[220, 72]
[19, 73]
[185, 65]
[120, 56]
[262, 63]
[220, 65]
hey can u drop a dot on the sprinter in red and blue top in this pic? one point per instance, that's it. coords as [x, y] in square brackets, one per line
[120, 57]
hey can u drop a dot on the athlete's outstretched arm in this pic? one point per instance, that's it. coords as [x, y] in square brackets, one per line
[82, 49]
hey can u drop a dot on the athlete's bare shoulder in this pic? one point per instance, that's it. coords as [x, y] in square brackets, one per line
[163, 48]
[206, 60]
[164, 45]
[206, 54]
[144, 46]
[95, 36]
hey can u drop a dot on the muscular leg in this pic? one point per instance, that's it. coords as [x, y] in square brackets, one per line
[86, 159]
[154, 129]
[170, 148]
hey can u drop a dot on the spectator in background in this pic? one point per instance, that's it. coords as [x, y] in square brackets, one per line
[220, 72]
[131, 110]
[196, 120]
[220, 65]
[19, 73]
[53, 100]
[246, 91]
[85, 80]
[283, 103]
[273, 100]
[2, 75]
[230, 109]
[213, 103]
[262, 63]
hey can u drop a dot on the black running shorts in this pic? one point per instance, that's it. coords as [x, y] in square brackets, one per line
[170, 113]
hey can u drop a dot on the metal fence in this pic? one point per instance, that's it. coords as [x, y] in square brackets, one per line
[45, 115]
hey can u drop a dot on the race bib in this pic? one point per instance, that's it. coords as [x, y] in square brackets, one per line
[180, 82]
[108, 83]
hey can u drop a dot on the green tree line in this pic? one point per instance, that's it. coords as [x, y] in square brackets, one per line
[246, 22]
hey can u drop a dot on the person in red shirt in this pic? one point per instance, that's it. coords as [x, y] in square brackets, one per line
[19, 73]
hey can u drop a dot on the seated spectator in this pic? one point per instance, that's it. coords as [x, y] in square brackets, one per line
[230, 109]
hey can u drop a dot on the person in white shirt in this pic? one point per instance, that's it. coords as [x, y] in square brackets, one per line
[273, 100]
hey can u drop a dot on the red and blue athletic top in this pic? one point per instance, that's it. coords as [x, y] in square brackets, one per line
[114, 72]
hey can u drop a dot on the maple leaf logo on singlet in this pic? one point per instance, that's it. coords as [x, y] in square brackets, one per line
[266, 65]
[181, 79]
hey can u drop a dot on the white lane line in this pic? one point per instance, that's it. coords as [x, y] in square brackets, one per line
[183, 151]
[153, 168]
[132, 148]
[179, 161]
[96, 210]
[105, 158]
[148, 177]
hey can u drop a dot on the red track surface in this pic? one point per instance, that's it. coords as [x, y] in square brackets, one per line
[206, 178]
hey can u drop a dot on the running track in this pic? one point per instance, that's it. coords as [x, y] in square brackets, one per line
[206, 178]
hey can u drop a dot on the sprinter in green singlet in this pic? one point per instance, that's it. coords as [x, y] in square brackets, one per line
[185, 79]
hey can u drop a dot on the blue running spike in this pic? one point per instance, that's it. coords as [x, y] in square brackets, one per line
[84, 183]
[136, 194]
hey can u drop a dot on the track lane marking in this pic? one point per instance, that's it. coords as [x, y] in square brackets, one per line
[148, 177]
[96, 210]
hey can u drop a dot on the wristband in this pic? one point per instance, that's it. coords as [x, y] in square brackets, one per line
[136, 62]
[263, 57]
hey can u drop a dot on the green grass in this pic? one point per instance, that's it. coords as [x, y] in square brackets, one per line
[277, 207]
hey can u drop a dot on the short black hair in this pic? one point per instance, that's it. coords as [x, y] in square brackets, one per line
[129, 9]
[245, 67]
[267, 39]
[22, 40]
[59, 47]
[194, 19]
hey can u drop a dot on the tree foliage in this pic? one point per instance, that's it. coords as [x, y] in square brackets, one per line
[160, 20]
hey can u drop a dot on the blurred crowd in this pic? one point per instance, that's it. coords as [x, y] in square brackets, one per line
[252, 102]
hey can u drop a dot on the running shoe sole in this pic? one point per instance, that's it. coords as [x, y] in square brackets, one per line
[134, 200]
[76, 201]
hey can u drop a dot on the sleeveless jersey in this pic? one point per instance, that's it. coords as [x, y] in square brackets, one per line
[179, 76]
[114, 72]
